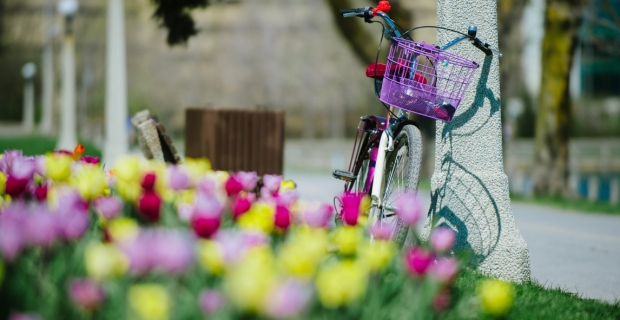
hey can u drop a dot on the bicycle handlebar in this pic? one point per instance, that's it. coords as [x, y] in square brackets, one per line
[384, 6]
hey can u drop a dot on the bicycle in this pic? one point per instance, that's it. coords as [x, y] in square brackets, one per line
[418, 78]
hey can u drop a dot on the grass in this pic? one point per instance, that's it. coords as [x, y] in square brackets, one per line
[36, 145]
[532, 301]
[581, 205]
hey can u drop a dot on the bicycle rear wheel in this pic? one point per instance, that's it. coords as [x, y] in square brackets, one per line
[401, 174]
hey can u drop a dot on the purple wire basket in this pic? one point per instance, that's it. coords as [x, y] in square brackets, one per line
[424, 79]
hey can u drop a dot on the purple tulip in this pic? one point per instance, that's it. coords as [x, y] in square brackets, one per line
[418, 261]
[138, 251]
[23, 168]
[87, 294]
[289, 299]
[442, 239]
[178, 179]
[172, 250]
[272, 182]
[41, 227]
[211, 301]
[73, 224]
[8, 157]
[12, 224]
[248, 180]
[445, 269]
[381, 231]
[408, 208]
[319, 217]
[287, 198]
[109, 207]
[207, 205]
[207, 186]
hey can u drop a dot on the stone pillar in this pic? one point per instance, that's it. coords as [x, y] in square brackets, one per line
[116, 139]
[614, 190]
[47, 74]
[28, 71]
[469, 189]
[593, 188]
[68, 126]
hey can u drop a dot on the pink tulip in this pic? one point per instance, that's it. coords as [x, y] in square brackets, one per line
[207, 205]
[351, 208]
[207, 186]
[41, 227]
[248, 180]
[23, 168]
[272, 182]
[442, 239]
[241, 205]
[87, 294]
[72, 225]
[211, 301]
[287, 198]
[442, 300]
[266, 195]
[288, 299]
[282, 219]
[381, 231]
[185, 212]
[205, 226]
[320, 217]
[445, 269]
[8, 157]
[418, 261]
[178, 179]
[138, 251]
[172, 250]
[233, 186]
[90, 160]
[408, 208]
[12, 224]
[109, 207]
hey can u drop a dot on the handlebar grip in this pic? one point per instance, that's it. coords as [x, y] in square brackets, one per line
[349, 12]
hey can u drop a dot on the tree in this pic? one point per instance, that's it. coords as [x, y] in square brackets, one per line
[562, 21]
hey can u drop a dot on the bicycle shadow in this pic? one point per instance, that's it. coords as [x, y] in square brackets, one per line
[478, 223]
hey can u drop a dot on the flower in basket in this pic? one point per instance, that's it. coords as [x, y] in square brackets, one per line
[418, 261]
[496, 297]
[409, 208]
[86, 294]
[149, 302]
[341, 283]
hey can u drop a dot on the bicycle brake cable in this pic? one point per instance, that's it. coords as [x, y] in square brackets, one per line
[436, 27]
[376, 62]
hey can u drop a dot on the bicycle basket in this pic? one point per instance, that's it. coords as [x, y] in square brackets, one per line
[424, 79]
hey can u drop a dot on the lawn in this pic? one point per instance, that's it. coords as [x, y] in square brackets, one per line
[35, 145]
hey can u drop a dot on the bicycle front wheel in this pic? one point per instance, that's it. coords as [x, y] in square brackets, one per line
[401, 174]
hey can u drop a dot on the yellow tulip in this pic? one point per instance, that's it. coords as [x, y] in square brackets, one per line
[347, 239]
[260, 217]
[341, 283]
[123, 229]
[90, 181]
[365, 205]
[210, 256]
[287, 185]
[496, 297]
[248, 282]
[104, 261]
[129, 190]
[196, 168]
[377, 254]
[2, 182]
[128, 169]
[304, 251]
[149, 301]
[58, 166]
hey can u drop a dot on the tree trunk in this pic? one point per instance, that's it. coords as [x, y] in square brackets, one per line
[562, 20]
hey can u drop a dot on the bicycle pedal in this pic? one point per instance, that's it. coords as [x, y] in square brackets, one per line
[343, 175]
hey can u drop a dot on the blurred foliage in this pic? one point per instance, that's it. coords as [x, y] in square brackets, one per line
[35, 145]
[175, 16]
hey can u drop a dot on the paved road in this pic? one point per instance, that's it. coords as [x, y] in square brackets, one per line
[577, 252]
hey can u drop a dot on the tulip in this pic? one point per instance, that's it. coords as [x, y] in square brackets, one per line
[40, 192]
[377, 254]
[23, 168]
[185, 212]
[2, 182]
[58, 167]
[442, 239]
[286, 198]
[347, 238]
[123, 229]
[12, 223]
[210, 256]
[128, 169]
[341, 283]
[418, 261]
[205, 226]
[288, 185]
[90, 160]
[149, 301]
[87, 294]
[15, 186]
[7, 159]
[103, 261]
[177, 178]
[90, 181]
[241, 205]
[248, 180]
[172, 250]
[272, 182]
[289, 299]
[408, 208]
[282, 218]
[496, 297]
[442, 300]
[73, 224]
[382, 231]
[211, 301]
[109, 207]
[150, 206]
[233, 186]
[25, 316]
[78, 152]
[318, 217]
[41, 227]
[445, 269]
[351, 203]
[207, 205]
[259, 218]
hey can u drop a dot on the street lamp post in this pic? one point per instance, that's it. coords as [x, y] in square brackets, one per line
[68, 126]
[28, 71]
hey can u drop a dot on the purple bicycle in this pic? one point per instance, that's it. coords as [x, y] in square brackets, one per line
[419, 78]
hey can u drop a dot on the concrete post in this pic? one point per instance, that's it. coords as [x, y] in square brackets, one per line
[68, 125]
[116, 139]
[614, 191]
[469, 187]
[28, 71]
[47, 105]
[593, 188]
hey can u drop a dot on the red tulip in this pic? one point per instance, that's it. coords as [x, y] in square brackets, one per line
[150, 205]
[282, 219]
[40, 192]
[148, 181]
[240, 205]
[233, 186]
[15, 186]
[205, 226]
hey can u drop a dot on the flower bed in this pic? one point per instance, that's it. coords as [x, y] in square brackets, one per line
[144, 240]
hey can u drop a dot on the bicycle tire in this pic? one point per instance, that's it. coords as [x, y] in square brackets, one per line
[401, 174]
